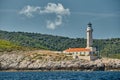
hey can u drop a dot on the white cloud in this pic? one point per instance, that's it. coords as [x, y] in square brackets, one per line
[57, 9]
[29, 10]
[52, 25]
[50, 8]
[54, 8]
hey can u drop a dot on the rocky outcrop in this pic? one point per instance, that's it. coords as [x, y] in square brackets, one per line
[111, 64]
[23, 62]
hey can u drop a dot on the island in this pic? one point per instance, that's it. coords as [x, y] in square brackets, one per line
[45, 60]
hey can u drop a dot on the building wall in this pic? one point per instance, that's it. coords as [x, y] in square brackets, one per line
[85, 57]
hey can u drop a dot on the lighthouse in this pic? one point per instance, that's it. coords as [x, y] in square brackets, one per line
[88, 53]
[89, 35]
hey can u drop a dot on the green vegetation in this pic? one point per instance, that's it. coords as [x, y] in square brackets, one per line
[106, 47]
[9, 46]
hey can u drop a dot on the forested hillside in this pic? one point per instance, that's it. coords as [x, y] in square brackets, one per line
[42, 41]
[107, 47]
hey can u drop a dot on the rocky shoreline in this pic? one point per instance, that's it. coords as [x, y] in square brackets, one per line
[19, 61]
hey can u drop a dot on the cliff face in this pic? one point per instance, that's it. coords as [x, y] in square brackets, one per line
[21, 61]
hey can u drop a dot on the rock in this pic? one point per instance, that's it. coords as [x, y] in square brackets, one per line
[10, 60]
[112, 64]
[23, 62]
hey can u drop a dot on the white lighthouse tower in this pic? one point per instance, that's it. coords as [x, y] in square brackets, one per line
[90, 39]
[89, 35]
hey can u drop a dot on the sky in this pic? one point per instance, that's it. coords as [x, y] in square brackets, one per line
[67, 18]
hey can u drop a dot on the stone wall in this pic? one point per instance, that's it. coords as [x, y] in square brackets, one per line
[84, 57]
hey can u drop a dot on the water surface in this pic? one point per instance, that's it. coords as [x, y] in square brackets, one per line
[61, 75]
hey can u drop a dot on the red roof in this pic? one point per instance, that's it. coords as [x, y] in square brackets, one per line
[77, 50]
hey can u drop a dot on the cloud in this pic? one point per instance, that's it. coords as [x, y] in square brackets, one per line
[54, 8]
[52, 25]
[50, 8]
[57, 9]
[29, 10]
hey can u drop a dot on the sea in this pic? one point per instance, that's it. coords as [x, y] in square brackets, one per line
[61, 75]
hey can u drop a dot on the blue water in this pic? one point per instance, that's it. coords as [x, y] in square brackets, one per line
[59, 75]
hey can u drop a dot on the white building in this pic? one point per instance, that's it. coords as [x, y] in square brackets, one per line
[88, 53]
